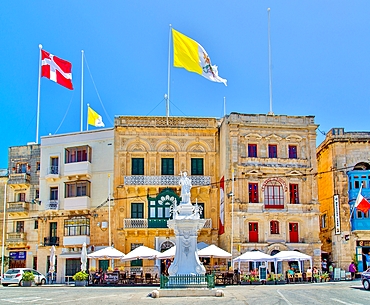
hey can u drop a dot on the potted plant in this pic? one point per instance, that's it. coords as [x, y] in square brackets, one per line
[325, 277]
[270, 280]
[244, 279]
[110, 269]
[80, 278]
[27, 278]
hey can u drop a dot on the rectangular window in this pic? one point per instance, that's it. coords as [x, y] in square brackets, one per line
[78, 154]
[37, 194]
[137, 210]
[54, 166]
[197, 166]
[274, 227]
[54, 193]
[77, 189]
[36, 224]
[252, 150]
[137, 166]
[21, 197]
[38, 165]
[137, 262]
[294, 198]
[323, 221]
[167, 166]
[272, 151]
[292, 149]
[77, 226]
[19, 227]
[53, 229]
[253, 192]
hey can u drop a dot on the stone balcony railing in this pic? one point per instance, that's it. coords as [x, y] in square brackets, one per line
[19, 178]
[20, 206]
[16, 237]
[142, 223]
[165, 180]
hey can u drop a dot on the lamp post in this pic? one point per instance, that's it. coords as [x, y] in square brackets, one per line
[4, 228]
[232, 217]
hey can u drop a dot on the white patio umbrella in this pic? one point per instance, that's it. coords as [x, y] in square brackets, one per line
[83, 257]
[169, 253]
[254, 256]
[213, 251]
[107, 253]
[52, 260]
[141, 252]
[293, 256]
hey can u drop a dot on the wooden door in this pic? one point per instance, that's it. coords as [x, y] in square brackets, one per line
[293, 232]
[253, 232]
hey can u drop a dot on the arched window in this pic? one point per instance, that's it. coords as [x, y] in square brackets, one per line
[274, 227]
[274, 195]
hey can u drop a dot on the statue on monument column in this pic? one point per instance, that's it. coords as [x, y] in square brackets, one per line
[185, 183]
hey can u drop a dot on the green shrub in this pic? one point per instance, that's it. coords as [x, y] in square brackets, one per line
[81, 276]
[28, 276]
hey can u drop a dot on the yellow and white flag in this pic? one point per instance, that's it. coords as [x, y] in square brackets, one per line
[191, 55]
[94, 118]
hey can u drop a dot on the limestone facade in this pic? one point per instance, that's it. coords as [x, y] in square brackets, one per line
[273, 202]
[150, 153]
[74, 187]
[343, 165]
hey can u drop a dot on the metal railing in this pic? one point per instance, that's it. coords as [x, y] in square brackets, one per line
[143, 223]
[187, 281]
[52, 205]
[53, 170]
[165, 180]
[51, 241]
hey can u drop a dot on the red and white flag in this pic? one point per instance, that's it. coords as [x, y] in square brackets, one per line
[221, 225]
[361, 203]
[56, 69]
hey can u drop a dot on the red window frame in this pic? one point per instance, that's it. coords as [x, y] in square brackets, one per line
[294, 194]
[292, 151]
[274, 227]
[272, 151]
[252, 150]
[274, 195]
[253, 192]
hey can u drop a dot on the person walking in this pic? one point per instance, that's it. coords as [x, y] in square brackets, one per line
[352, 269]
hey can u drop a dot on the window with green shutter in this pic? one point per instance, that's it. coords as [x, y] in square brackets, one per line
[137, 210]
[167, 166]
[137, 166]
[197, 166]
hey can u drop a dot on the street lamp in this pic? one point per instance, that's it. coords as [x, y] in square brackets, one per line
[4, 228]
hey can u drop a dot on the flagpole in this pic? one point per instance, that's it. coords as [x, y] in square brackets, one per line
[168, 75]
[270, 65]
[4, 231]
[87, 119]
[82, 88]
[354, 206]
[38, 99]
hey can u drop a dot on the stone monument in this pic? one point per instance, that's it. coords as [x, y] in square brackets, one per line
[186, 223]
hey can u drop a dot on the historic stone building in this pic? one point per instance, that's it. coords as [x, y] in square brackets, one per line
[75, 174]
[343, 166]
[272, 203]
[22, 205]
[150, 153]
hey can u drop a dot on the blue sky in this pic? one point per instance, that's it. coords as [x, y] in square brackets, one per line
[320, 61]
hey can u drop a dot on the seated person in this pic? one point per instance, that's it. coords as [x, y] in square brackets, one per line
[291, 271]
[97, 276]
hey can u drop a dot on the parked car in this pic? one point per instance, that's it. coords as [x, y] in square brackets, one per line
[365, 279]
[14, 276]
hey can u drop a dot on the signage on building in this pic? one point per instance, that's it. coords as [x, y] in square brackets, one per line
[18, 256]
[336, 214]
